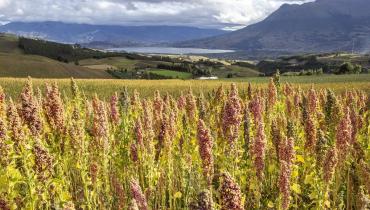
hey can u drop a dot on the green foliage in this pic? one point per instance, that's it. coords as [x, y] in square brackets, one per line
[349, 68]
[345, 68]
[197, 69]
[245, 64]
[328, 62]
[357, 69]
[149, 74]
[20, 66]
[276, 78]
[172, 74]
[309, 72]
[292, 64]
[61, 52]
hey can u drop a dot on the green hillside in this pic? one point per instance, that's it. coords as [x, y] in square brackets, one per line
[236, 71]
[9, 44]
[15, 63]
[18, 65]
[171, 74]
[22, 57]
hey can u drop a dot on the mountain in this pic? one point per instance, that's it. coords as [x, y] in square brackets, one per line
[320, 26]
[107, 35]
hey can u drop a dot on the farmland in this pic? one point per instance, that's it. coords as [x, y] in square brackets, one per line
[172, 74]
[241, 142]
[15, 63]
[38, 66]
[105, 88]
[266, 145]
[185, 105]
[22, 57]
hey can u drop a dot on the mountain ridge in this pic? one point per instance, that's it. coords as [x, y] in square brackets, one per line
[320, 26]
[114, 34]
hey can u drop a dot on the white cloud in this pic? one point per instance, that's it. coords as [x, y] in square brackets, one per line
[4, 3]
[228, 14]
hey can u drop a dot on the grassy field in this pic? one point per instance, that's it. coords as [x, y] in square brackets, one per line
[14, 63]
[100, 66]
[236, 70]
[106, 87]
[344, 57]
[9, 44]
[173, 74]
[340, 79]
[117, 62]
[19, 65]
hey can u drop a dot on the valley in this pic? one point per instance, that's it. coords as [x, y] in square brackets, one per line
[184, 104]
[44, 59]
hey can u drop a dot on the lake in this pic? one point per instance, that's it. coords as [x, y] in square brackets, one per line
[168, 50]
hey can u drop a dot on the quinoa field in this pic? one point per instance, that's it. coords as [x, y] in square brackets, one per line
[198, 145]
[105, 88]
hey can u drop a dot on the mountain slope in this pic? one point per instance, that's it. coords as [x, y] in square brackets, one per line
[14, 63]
[324, 25]
[119, 35]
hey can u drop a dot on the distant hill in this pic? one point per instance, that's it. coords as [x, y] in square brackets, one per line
[107, 35]
[321, 26]
[22, 57]
[15, 63]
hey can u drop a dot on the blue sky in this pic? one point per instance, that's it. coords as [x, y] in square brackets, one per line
[221, 14]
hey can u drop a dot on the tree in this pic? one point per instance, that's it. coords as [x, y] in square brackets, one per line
[357, 69]
[345, 68]
[230, 75]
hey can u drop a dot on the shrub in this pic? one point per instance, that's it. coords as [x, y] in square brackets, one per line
[345, 68]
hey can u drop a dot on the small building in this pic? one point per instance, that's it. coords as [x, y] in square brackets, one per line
[208, 78]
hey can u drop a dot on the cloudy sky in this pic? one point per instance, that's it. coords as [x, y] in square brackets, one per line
[223, 14]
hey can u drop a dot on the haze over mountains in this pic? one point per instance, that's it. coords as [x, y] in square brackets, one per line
[107, 35]
[321, 26]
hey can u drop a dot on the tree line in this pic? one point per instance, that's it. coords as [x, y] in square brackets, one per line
[62, 52]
